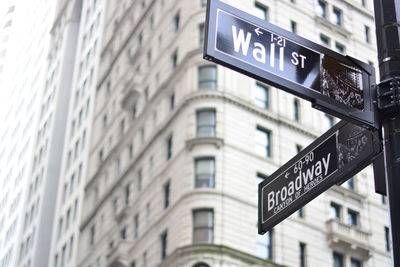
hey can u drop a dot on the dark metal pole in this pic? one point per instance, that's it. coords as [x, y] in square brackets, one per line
[387, 22]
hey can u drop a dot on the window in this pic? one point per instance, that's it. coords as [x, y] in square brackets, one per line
[352, 217]
[203, 226]
[383, 199]
[207, 77]
[301, 212]
[259, 178]
[325, 40]
[261, 97]
[296, 109]
[340, 48]
[263, 142]
[174, 59]
[164, 240]
[367, 33]
[261, 11]
[349, 184]
[203, 3]
[136, 226]
[302, 255]
[172, 101]
[123, 233]
[264, 245]
[177, 21]
[322, 8]
[204, 172]
[169, 147]
[362, 2]
[92, 234]
[337, 16]
[201, 34]
[166, 194]
[338, 260]
[355, 263]
[328, 121]
[293, 26]
[206, 123]
[122, 126]
[127, 193]
[387, 239]
[335, 211]
[299, 148]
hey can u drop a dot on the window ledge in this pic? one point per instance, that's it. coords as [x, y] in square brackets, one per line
[348, 237]
[349, 193]
[332, 27]
[206, 140]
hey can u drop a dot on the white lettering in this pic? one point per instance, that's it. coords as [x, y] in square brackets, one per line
[259, 52]
[239, 41]
[326, 163]
[271, 202]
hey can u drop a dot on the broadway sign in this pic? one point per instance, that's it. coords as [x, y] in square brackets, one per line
[333, 158]
[334, 83]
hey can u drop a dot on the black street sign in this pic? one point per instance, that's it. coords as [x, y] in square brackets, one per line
[334, 157]
[337, 84]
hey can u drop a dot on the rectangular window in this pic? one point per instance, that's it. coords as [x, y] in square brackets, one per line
[367, 33]
[164, 240]
[204, 172]
[349, 184]
[329, 121]
[325, 40]
[206, 123]
[136, 226]
[264, 245]
[299, 148]
[340, 48]
[301, 212]
[201, 34]
[169, 147]
[177, 21]
[337, 16]
[261, 11]
[166, 194]
[338, 260]
[92, 234]
[296, 109]
[207, 77]
[335, 211]
[261, 96]
[303, 254]
[174, 59]
[172, 101]
[263, 142]
[127, 193]
[293, 26]
[355, 263]
[387, 239]
[203, 226]
[322, 8]
[203, 3]
[352, 217]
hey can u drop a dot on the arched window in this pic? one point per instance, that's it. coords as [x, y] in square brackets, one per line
[201, 264]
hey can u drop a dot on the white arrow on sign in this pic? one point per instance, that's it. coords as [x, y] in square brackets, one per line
[258, 31]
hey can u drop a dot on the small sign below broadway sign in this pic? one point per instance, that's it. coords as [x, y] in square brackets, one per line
[333, 158]
[334, 83]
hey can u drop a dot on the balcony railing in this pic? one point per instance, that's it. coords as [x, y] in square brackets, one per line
[348, 237]
[118, 255]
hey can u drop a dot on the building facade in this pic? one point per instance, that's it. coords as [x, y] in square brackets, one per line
[77, 127]
[179, 145]
[25, 42]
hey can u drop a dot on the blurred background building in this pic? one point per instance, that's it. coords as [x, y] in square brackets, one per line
[140, 153]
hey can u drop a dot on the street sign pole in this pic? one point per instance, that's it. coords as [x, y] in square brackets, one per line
[387, 21]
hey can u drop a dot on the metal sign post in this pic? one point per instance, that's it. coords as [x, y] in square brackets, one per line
[334, 157]
[387, 21]
[334, 83]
